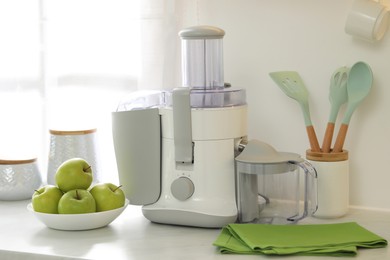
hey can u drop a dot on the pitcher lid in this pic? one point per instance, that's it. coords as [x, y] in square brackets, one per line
[258, 152]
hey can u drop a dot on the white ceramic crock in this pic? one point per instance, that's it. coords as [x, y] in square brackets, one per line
[333, 183]
[66, 145]
[18, 179]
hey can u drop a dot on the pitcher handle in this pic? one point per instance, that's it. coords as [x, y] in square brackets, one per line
[310, 195]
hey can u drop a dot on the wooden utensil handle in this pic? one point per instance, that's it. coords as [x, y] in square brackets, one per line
[314, 145]
[326, 143]
[338, 145]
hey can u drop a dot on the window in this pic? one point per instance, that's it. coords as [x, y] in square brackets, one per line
[64, 64]
[20, 78]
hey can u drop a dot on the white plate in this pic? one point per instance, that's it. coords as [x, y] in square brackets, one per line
[78, 221]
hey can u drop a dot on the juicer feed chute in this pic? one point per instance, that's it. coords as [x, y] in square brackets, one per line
[202, 57]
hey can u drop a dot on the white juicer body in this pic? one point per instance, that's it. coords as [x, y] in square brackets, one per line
[201, 193]
[176, 150]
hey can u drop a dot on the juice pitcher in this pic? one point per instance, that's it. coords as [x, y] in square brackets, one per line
[274, 187]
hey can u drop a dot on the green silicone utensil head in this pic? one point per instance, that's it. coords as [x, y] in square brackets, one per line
[359, 84]
[338, 92]
[292, 85]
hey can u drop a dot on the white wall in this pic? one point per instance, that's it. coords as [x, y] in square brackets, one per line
[306, 36]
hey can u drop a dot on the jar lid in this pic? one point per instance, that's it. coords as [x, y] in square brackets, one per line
[72, 132]
[20, 161]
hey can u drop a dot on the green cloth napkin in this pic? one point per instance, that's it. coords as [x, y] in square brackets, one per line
[341, 239]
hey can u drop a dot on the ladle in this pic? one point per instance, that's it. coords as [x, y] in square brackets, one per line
[358, 86]
[292, 85]
[337, 96]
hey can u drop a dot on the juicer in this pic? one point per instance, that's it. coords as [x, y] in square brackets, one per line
[177, 150]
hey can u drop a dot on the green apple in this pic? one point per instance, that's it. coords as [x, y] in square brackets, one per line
[46, 199]
[108, 196]
[73, 174]
[77, 202]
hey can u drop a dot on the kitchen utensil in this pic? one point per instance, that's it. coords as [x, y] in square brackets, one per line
[337, 96]
[72, 222]
[292, 85]
[358, 86]
[268, 186]
[18, 178]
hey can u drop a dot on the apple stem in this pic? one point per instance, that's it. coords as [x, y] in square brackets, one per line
[89, 167]
[117, 188]
[77, 195]
[37, 191]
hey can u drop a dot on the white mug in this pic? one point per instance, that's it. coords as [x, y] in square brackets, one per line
[367, 20]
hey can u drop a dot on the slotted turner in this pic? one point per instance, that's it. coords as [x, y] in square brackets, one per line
[292, 85]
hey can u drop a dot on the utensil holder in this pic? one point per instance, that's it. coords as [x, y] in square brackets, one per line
[66, 145]
[333, 183]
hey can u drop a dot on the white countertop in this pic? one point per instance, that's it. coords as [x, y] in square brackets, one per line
[131, 236]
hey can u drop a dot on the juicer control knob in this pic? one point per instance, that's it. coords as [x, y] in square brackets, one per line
[182, 188]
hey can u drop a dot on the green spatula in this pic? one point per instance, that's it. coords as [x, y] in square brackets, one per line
[292, 85]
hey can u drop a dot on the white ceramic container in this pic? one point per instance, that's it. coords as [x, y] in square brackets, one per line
[367, 20]
[66, 145]
[332, 184]
[18, 179]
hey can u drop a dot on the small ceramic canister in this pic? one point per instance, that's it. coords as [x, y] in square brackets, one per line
[333, 183]
[18, 179]
[367, 20]
[66, 144]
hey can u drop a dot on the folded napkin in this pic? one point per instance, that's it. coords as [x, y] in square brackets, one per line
[341, 239]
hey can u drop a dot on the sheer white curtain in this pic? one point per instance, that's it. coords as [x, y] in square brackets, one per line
[20, 79]
[160, 22]
[92, 58]
[65, 64]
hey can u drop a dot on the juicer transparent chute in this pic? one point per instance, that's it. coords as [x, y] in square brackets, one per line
[202, 57]
[202, 69]
[271, 188]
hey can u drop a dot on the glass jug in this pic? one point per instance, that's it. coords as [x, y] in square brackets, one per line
[270, 188]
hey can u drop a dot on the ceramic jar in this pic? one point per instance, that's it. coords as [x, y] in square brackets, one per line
[65, 144]
[18, 179]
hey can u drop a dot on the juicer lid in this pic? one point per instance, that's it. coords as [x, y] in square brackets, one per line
[257, 152]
